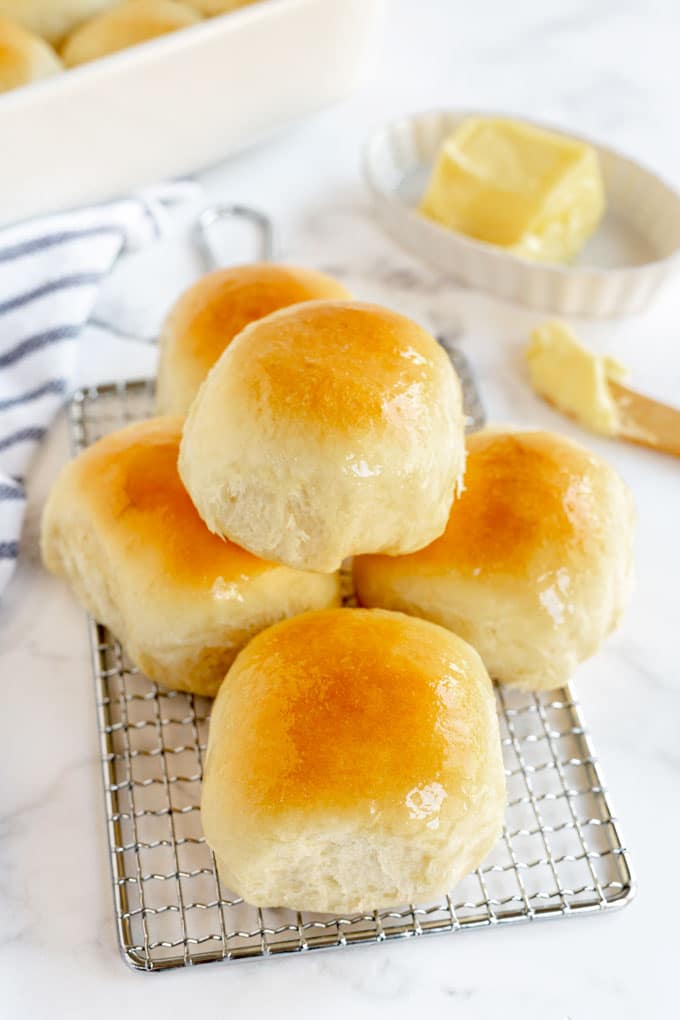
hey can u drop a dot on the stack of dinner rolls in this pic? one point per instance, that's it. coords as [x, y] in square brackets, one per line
[354, 757]
[40, 37]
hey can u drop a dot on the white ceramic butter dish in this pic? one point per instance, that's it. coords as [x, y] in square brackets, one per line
[635, 250]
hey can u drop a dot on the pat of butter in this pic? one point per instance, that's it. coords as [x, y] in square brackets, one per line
[538, 194]
[574, 379]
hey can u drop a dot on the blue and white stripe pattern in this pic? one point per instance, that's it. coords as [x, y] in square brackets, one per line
[50, 273]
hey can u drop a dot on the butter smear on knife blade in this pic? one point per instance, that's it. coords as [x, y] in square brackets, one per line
[575, 380]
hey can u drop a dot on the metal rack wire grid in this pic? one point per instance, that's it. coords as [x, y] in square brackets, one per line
[560, 853]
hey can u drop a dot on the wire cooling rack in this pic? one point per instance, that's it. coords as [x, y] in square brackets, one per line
[560, 853]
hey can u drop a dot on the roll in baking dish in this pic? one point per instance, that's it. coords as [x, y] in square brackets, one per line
[53, 19]
[127, 24]
[24, 57]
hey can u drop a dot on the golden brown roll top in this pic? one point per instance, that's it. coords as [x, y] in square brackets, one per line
[130, 483]
[340, 367]
[208, 316]
[121, 528]
[353, 762]
[347, 708]
[128, 24]
[324, 430]
[529, 502]
[534, 567]
[24, 57]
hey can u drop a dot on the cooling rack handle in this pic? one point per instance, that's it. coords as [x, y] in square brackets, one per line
[214, 220]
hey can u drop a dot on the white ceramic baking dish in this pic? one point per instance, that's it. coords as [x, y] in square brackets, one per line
[635, 251]
[179, 103]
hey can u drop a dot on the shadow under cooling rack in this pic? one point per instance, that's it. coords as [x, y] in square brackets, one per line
[560, 854]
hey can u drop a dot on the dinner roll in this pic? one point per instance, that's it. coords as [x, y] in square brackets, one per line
[133, 22]
[23, 56]
[211, 7]
[207, 317]
[353, 762]
[52, 19]
[534, 568]
[120, 527]
[326, 429]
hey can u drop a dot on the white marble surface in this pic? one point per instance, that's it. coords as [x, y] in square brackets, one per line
[611, 69]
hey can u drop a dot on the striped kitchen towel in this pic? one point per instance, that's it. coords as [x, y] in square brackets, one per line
[50, 273]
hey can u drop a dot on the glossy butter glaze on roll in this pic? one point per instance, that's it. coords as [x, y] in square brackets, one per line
[354, 762]
[121, 529]
[324, 430]
[207, 317]
[535, 566]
